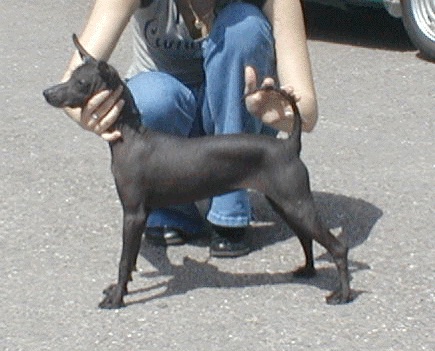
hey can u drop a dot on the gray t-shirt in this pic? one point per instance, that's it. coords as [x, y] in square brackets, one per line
[161, 42]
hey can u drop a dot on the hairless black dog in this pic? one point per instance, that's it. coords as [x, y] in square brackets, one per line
[154, 170]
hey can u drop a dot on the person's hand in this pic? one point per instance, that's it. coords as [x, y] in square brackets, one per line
[267, 104]
[100, 113]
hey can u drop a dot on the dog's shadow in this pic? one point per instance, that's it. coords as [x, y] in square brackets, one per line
[356, 217]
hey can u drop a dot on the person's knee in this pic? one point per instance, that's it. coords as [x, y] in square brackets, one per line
[153, 93]
[163, 101]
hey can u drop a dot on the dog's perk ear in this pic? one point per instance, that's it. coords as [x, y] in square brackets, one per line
[86, 56]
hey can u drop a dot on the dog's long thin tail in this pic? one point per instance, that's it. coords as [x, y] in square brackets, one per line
[295, 138]
[294, 141]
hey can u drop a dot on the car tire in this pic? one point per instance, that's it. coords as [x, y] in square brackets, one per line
[418, 17]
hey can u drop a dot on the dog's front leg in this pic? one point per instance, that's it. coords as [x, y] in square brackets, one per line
[134, 224]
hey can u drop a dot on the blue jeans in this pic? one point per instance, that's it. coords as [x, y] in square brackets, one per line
[241, 36]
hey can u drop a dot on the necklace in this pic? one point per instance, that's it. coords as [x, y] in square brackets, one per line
[201, 21]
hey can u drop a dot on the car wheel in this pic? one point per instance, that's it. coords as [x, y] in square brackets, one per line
[419, 20]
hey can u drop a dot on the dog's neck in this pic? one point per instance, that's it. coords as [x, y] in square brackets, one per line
[129, 117]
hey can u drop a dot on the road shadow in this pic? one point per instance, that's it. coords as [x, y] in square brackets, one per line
[366, 27]
[357, 217]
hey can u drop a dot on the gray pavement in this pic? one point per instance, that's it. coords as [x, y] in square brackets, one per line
[371, 160]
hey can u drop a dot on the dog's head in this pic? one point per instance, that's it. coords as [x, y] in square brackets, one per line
[86, 80]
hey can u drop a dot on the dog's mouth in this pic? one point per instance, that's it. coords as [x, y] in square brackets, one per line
[56, 99]
[51, 99]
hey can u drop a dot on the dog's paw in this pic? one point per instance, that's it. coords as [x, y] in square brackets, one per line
[110, 303]
[109, 289]
[339, 298]
[114, 298]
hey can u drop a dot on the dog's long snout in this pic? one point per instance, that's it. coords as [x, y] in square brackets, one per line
[53, 96]
[48, 94]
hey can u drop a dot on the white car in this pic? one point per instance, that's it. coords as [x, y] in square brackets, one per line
[418, 17]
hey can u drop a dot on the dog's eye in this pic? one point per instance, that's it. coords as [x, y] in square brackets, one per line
[83, 84]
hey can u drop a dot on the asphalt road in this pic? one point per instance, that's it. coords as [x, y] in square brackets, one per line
[371, 160]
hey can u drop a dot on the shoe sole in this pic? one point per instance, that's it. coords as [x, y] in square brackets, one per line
[229, 254]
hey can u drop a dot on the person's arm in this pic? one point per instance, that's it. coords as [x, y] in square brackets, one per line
[293, 68]
[102, 31]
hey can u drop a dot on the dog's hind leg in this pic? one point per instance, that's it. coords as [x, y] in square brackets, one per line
[301, 216]
[308, 270]
[134, 224]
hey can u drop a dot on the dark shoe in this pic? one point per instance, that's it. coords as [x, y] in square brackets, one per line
[164, 236]
[228, 242]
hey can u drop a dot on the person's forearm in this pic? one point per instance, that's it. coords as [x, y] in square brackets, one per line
[293, 62]
[103, 29]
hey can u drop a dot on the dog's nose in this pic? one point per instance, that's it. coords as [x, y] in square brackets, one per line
[46, 94]
[50, 96]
